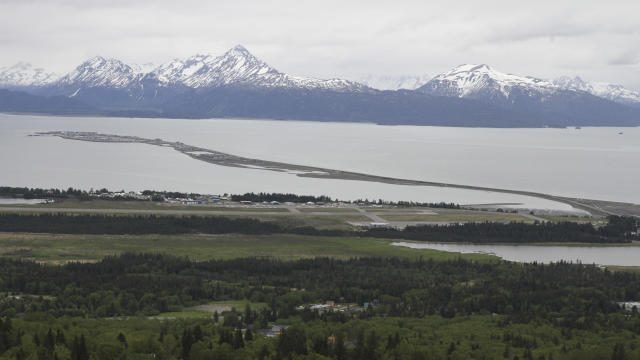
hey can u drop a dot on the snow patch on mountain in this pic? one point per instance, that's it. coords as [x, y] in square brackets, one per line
[143, 68]
[390, 82]
[613, 92]
[24, 74]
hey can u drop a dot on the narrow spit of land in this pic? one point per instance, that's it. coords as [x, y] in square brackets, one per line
[596, 207]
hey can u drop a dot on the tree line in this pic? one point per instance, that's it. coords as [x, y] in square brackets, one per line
[618, 229]
[280, 197]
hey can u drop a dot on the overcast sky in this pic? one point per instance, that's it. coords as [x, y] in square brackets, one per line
[598, 40]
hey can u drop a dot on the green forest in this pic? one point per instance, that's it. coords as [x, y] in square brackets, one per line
[420, 309]
[155, 305]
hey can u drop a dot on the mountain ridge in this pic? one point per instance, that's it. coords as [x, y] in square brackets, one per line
[200, 71]
[23, 74]
[238, 84]
[613, 92]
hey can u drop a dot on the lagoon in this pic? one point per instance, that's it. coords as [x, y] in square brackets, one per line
[614, 255]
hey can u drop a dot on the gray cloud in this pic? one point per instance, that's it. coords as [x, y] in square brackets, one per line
[627, 58]
[335, 38]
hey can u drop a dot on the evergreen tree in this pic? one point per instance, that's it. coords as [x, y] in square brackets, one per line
[292, 341]
[49, 340]
[248, 335]
[225, 337]
[371, 346]
[187, 341]
[264, 352]
[339, 350]
[197, 334]
[619, 352]
[248, 316]
[79, 349]
[122, 339]
[237, 340]
[60, 339]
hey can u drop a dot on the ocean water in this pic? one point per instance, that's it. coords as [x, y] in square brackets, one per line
[598, 163]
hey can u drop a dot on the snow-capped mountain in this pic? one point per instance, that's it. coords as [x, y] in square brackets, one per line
[524, 93]
[612, 92]
[239, 67]
[100, 72]
[527, 95]
[483, 82]
[390, 82]
[24, 74]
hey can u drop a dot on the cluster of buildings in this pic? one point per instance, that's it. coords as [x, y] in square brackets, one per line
[246, 202]
[200, 200]
[328, 306]
[136, 195]
[630, 305]
[332, 306]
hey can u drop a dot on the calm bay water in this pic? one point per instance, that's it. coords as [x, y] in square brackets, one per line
[600, 255]
[591, 162]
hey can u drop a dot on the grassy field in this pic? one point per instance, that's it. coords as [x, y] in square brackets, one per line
[317, 221]
[184, 314]
[635, 269]
[58, 249]
[574, 219]
[207, 310]
[460, 216]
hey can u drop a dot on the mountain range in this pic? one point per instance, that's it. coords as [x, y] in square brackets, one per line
[237, 84]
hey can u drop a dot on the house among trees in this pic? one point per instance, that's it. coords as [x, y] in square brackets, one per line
[276, 330]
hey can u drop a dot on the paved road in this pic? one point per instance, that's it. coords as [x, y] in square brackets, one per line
[533, 217]
[293, 209]
[373, 217]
